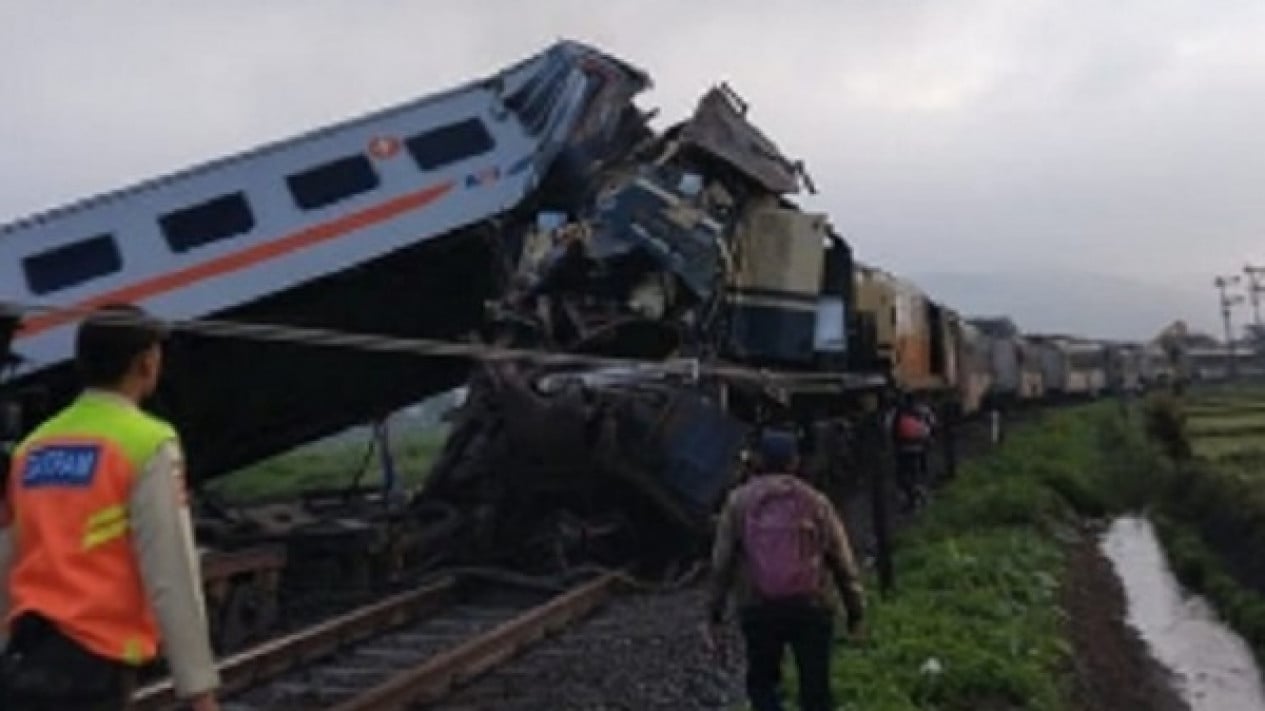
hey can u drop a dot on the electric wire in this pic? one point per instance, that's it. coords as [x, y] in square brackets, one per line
[691, 369]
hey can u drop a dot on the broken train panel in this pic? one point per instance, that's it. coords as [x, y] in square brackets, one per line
[688, 249]
[391, 223]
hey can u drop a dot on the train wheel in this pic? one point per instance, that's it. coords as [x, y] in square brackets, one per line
[248, 614]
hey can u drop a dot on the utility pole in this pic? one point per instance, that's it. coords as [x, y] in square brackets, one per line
[1255, 287]
[1227, 301]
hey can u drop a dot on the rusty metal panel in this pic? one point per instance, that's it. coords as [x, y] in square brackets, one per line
[720, 128]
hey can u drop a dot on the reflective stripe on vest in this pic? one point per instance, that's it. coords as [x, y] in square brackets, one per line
[105, 525]
[73, 561]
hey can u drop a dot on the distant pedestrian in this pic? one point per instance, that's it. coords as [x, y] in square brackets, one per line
[97, 558]
[779, 546]
[910, 426]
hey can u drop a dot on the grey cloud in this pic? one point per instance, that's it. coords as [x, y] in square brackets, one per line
[977, 136]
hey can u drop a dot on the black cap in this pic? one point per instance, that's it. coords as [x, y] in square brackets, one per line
[778, 450]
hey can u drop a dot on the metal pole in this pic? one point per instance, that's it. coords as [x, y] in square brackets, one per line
[1226, 302]
[390, 480]
[948, 436]
[1255, 289]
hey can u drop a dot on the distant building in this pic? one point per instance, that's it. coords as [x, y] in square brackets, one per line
[1200, 357]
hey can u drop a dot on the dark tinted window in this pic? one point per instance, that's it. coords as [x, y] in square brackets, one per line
[207, 222]
[337, 180]
[449, 144]
[72, 264]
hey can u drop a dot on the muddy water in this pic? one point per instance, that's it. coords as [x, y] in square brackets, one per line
[1212, 665]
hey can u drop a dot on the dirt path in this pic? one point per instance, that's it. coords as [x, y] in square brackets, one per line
[1112, 666]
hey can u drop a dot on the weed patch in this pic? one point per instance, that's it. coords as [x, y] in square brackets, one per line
[1209, 510]
[327, 465]
[975, 622]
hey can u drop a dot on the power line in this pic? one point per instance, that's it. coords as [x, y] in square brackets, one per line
[685, 368]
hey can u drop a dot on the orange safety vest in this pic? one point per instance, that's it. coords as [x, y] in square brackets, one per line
[69, 490]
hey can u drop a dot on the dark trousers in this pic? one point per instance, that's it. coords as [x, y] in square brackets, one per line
[911, 470]
[806, 629]
[44, 670]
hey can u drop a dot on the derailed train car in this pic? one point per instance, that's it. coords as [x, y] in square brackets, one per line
[533, 209]
[697, 253]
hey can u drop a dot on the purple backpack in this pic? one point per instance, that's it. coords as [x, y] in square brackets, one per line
[781, 540]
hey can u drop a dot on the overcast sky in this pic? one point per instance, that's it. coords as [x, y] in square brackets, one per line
[1119, 137]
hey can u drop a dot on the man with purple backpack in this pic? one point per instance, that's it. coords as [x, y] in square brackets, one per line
[779, 546]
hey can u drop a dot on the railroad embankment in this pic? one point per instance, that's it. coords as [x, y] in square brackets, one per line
[1004, 599]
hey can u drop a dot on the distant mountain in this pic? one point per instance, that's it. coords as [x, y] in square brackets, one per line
[1094, 305]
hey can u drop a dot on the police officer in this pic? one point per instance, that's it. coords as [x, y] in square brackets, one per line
[97, 556]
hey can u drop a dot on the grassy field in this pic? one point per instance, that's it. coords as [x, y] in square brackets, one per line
[1210, 510]
[331, 464]
[1226, 423]
[975, 622]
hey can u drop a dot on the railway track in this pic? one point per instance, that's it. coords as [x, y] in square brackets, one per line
[412, 648]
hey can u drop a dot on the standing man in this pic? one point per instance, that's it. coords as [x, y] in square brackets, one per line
[779, 544]
[97, 557]
[910, 426]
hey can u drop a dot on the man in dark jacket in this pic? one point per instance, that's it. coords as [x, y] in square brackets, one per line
[780, 605]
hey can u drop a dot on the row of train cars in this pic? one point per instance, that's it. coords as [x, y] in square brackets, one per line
[979, 363]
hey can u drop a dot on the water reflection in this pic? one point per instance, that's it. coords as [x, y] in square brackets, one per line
[1213, 665]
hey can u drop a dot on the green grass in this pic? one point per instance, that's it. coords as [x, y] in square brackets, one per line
[1210, 511]
[1219, 448]
[1200, 567]
[1224, 420]
[977, 580]
[1226, 426]
[1228, 394]
[330, 465]
[1205, 409]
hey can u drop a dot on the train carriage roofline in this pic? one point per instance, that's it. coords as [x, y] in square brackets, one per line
[567, 47]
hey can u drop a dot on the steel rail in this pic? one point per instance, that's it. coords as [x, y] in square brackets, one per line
[272, 659]
[437, 676]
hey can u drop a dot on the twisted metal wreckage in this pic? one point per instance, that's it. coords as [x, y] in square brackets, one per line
[628, 242]
[684, 245]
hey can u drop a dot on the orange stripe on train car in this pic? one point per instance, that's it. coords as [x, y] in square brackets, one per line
[243, 259]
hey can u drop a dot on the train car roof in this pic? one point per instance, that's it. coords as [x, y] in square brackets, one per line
[567, 47]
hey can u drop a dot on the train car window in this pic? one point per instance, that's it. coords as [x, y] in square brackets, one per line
[73, 264]
[333, 181]
[448, 144]
[211, 221]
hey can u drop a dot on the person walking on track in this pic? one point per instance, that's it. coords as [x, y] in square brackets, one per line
[779, 545]
[97, 559]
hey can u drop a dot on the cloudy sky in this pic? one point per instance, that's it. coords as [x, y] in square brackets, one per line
[1121, 142]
